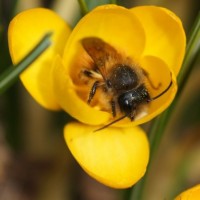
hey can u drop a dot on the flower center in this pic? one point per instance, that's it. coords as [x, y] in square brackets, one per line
[111, 82]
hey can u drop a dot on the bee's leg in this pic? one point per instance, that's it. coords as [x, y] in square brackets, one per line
[113, 107]
[93, 91]
[132, 115]
[150, 81]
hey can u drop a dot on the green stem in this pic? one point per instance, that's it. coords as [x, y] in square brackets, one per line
[8, 77]
[83, 6]
[160, 123]
[192, 50]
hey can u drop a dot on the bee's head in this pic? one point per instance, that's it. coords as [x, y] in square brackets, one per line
[129, 101]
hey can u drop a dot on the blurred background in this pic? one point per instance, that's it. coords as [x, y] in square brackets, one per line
[35, 163]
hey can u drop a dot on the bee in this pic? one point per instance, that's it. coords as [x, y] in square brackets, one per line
[120, 79]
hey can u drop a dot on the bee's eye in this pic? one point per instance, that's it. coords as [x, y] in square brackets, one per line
[125, 102]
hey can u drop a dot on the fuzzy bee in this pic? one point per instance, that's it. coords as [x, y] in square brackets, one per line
[120, 79]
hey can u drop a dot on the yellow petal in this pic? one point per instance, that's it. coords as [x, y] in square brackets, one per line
[25, 31]
[116, 157]
[114, 24]
[165, 36]
[190, 194]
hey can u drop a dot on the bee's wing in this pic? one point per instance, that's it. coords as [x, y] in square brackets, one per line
[100, 52]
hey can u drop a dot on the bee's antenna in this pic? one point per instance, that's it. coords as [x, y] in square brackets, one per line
[162, 92]
[113, 122]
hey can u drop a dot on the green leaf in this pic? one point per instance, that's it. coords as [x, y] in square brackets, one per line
[8, 77]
